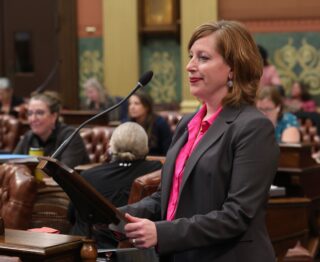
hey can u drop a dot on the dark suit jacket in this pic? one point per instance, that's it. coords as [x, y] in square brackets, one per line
[75, 153]
[220, 216]
[113, 180]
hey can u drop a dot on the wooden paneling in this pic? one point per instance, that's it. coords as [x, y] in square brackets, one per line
[274, 15]
[68, 53]
[89, 18]
[245, 10]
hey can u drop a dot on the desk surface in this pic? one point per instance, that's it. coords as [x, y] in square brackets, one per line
[25, 243]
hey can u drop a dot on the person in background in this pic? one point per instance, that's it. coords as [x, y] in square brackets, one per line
[8, 101]
[47, 133]
[128, 148]
[218, 171]
[96, 98]
[270, 102]
[270, 75]
[158, 130]
[300, 99]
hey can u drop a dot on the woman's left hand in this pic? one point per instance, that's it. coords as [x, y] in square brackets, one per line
[141, 232]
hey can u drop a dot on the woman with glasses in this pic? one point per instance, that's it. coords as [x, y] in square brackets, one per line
[47, 133]
[270, 103]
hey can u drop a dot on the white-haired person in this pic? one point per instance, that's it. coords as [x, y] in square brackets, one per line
[8, 101]
[97, 98]
[128, 149]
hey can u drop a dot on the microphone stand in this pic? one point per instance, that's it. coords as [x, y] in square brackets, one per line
[145, 78]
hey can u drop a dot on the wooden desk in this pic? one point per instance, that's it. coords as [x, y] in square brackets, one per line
[77, 117]
[288, 222]
[33, 246]
[299, 173]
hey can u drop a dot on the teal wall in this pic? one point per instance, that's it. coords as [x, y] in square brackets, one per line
[296, 57]
[162, 56]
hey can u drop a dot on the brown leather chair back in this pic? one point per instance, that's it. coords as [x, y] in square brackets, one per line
[172, 118]
[309, 131]
[51, 209]
[96, 140]
[144, 186]
[9, 132]
[18, 189]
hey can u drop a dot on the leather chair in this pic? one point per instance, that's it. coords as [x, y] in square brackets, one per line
[172, 118]
[51, 209]
[9, 132]
[18, 189]
[309, 132]
[144, 186]
[96, 140]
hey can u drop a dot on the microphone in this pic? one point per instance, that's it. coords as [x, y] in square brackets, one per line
[144, 79]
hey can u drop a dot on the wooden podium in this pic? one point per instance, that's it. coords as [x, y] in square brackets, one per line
[92, 207]
[90, 204]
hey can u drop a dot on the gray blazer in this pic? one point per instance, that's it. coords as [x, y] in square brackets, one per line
[220, 216]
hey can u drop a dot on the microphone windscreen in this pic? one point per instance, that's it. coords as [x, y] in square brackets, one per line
[145, 78]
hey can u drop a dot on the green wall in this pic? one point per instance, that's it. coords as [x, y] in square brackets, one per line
[90, 60]
[296, 56]
[162, 56]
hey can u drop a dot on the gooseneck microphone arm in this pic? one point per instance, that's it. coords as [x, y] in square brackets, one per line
[144, 79]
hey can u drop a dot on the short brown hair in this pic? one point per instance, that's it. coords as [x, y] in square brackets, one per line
[237, 47]
[272, 93]
[50, 98]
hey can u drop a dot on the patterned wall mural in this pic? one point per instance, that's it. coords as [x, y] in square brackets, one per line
[162, 56]
[90, 61]
[296, 57]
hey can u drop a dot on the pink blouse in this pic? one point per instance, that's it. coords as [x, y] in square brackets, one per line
[196, 129]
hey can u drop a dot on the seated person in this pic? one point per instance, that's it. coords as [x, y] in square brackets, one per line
[270, 75]
[48, 133]
[128, 148]
[96, 98]
[158, 130]
[300, 99]
[8, 101]
[270, 103]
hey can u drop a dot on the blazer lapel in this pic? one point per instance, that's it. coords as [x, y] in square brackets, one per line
[215, 131]
[179, 139]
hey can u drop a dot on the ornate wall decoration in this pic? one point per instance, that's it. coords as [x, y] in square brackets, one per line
[163, 58]
[162, 87]
[299, 63]
[296, 56]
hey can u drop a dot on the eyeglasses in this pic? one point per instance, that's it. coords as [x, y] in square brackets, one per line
[266, 109]
[37, 113]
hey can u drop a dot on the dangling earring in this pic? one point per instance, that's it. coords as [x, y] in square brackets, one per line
[229, 83]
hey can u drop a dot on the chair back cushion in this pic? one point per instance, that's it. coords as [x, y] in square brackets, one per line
[9, 132]
[51, 209]
[96, 140]
[144, 186]
[18, 189]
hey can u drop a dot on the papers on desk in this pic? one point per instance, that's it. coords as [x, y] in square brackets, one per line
[17, 158]
[276, 191]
